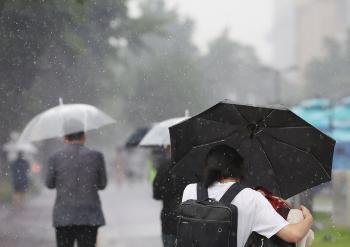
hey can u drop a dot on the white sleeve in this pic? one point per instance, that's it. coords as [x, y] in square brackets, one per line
[267, 221]
[190, 192]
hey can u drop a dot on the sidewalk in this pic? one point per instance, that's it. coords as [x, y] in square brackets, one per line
[132, 219]
[29, 226]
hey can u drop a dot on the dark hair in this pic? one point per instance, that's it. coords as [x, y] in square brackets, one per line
[222, 161]
[20, 155]
[73, 129]
[75, 136]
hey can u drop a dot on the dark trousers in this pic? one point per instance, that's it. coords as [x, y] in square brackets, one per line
[85, 236]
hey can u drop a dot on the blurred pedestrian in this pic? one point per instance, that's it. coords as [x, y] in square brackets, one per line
[120, 165]
[77, 173]
[168, 188]
[19, 171]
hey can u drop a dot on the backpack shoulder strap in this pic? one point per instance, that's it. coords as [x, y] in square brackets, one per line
[231, 193]
[202, 192]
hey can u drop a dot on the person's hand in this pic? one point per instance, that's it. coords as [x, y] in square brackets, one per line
[306, 213]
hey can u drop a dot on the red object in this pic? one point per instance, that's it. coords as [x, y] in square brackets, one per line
[277, 203]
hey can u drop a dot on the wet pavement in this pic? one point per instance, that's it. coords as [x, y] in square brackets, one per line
[132, 219]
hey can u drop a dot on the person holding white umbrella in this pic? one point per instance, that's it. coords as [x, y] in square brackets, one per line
[76, 172]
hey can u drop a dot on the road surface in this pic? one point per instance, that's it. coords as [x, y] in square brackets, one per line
[132, 219]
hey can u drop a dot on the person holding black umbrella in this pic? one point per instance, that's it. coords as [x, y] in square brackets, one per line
[223, 168]
[280, 150]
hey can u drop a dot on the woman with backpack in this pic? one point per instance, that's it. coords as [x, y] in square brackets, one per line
[252, 211]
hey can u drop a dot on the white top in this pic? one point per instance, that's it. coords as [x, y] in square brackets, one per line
[255, 212]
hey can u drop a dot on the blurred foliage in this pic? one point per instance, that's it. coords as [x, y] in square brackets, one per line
[59, 48]
[234, 71]
[140, 69]
[329, 235]
[330, 72]
[165, 79]
[171, 75]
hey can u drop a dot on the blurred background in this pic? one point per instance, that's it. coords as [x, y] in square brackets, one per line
[143, 61]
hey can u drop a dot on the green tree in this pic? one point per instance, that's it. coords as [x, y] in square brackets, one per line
[165, 79]
[234, 71]
[59, 48]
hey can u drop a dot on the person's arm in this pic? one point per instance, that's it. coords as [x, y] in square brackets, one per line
[51, 174]
[102, 176]
[295, 232]
[161, 183]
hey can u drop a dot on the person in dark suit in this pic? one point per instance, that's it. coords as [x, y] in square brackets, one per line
[77, 173]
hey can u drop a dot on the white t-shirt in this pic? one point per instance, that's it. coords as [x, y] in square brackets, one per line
[255, 213]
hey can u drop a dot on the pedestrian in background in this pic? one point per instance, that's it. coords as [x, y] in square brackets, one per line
[19, 171]
[168, 188]
[77, 173]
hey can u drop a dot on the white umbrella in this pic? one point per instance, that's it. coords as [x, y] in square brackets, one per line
[62, 120]
[20, 147]
[159, 135]
[14, 146]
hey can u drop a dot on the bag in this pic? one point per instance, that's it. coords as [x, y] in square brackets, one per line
[256, 240]
[206, 222]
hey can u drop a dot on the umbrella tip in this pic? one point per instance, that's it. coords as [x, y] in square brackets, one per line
[187, 113]
[60, 100]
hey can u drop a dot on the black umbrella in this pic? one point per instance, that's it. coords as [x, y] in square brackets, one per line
[281, 151]
[135, 138]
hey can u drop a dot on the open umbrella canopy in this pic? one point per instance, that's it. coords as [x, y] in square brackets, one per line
[281, 151]
[159, 133]
[20, 147]
[14, 146]
[64, 119]
[135, 138]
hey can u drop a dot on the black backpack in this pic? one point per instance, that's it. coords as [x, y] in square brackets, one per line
[206, 222]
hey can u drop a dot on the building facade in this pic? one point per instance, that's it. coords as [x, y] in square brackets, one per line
[301, 27]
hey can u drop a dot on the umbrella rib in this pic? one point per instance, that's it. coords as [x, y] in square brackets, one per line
[209, 143]
[217, 141]
[240, 114]
[268, 115]
[270, 163]
[303, 151]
